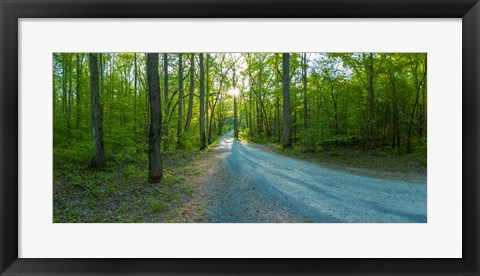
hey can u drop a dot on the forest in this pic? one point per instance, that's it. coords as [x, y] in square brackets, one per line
[123, 122]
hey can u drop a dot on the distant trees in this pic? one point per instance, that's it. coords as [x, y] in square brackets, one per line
[368, 100]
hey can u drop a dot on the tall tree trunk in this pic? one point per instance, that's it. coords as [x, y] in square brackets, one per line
[207, 126]
[166, 100]
[245, 110]
[250, 115]
[78, 92]
[155, 171]
[287, 130]
[190, 99]
[335, 108]
[275, 118]
[295, 122]
[396, 140]
[203, 145]
[423, 115]
[336, 119]
[101, 89]
[64, 84]
[135, 99]
[409, 135]
[418, 86]
[373, 129]
[221, 122]
[260, 104]
[54, 96]
[70, 97]
[277, 104]
[146, 126]
[98, 159]
[420, 122]
[180, 101]
[259, 119]
[235, 119]
[277, 100]
[126, 91]
[305, 105]
[386, 121]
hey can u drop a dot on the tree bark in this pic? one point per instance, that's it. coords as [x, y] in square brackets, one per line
[373, 129]
[98, 159]
[70, 97]
[418, 86]
[277, 105]
[396, 141]
[294, 123]
[155, 172]
[146, 126]
[305, 105]
[101, 89]
[135, 99]
[207, 94]
[78, 92]
[335, 108]
[287, 133]
[260, 104]
[203, 145]
[235, 118]
[250, 116]
[54, 96]
[190, 99]
[259, 118]
[180, 101]
[165, 93]
[64, 84]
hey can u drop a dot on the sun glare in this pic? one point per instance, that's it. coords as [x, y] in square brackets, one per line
[234, 92]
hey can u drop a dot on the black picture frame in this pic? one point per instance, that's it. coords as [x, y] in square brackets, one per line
[12, 10]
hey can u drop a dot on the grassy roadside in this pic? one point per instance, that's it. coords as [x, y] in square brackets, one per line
[121, 192]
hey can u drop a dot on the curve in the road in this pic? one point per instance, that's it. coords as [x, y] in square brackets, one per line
[253, 185]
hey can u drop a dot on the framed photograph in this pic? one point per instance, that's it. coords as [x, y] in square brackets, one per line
[237, 137]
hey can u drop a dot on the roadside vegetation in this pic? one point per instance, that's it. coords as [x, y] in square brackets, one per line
[121, 191]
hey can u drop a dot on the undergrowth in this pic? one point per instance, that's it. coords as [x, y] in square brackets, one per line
[120, 192]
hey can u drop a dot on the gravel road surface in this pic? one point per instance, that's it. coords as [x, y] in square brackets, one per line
[252, 185]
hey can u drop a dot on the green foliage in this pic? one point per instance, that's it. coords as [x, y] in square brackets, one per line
[156, 205]
[190, 171]
[133, 172]
[187, 189]
[191, 137]
[422, 151]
